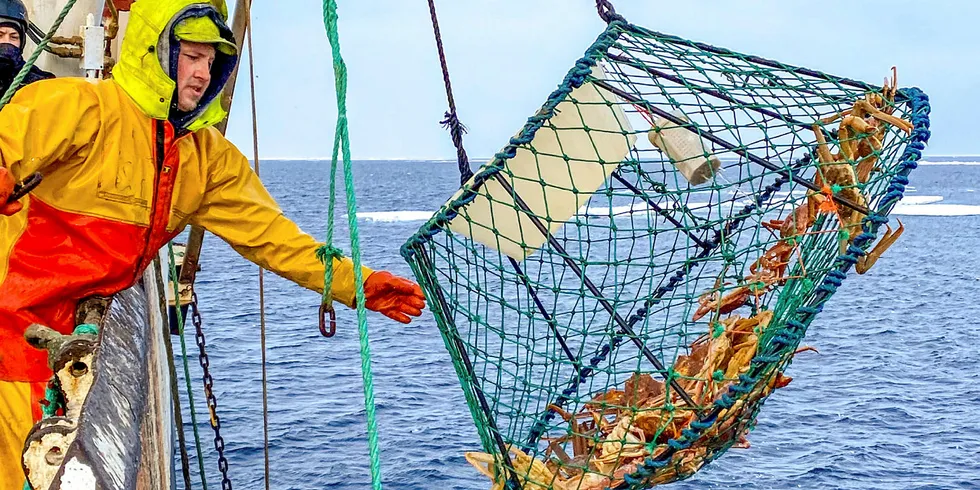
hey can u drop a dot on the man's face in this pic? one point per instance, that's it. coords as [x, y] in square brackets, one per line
[193, 73]
[10, 35]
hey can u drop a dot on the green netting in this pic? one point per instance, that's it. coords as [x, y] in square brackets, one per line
[616, 321]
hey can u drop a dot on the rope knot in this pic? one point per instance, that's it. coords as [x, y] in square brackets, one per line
[877, 219]
[86, 329]
[606, 11]
[828, 205]
[326, 251]
[451, 121]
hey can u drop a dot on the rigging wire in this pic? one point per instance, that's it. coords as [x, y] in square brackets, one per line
[255, 150]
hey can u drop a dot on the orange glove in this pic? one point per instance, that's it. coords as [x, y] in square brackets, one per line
[6, 189]
[393, 296]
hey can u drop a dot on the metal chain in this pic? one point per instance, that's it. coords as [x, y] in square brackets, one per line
[219, 442]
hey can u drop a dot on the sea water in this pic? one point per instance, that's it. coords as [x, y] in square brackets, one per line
[890, 402]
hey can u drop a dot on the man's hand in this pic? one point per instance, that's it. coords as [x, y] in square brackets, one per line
[392, 296]
[6, 189]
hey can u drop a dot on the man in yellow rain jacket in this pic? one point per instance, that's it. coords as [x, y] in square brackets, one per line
[128, 164]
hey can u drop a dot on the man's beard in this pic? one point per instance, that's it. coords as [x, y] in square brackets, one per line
[193, 103]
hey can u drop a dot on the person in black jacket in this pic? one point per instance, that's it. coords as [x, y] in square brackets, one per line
[13, 36]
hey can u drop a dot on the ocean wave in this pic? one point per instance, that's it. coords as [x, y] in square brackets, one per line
[395, 216]
[925, 206]
[964, 162]
[936, 210]
[920, 199]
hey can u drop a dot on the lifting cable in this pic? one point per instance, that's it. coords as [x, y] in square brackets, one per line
[255, 153]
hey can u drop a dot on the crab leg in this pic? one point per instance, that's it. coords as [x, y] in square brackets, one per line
[885, 117]
[866, 165]
[889, 90]
[857, 124]
[555, 448]
[848, 146]
[865, 263]
[823, 152]
[578, 442]
[830, 119]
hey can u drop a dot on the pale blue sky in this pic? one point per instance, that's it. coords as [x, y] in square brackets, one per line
[506, 56]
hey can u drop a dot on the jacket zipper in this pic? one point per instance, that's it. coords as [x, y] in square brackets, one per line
[158, 157]
[161, 173]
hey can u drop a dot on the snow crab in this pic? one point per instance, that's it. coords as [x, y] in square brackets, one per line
[764, 274]
[617, 430]
[859, 138]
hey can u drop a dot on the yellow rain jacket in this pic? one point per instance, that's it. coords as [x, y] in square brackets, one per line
[122, 176]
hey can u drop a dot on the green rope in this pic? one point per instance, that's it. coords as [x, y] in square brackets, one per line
[15, 84]
[53, 399]
[326, 253]
[86, 329]
[342, 142]
[183, 353]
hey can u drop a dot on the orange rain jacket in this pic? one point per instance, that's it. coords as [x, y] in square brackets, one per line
[120, 180]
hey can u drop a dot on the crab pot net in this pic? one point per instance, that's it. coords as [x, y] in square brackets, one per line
[621, 286]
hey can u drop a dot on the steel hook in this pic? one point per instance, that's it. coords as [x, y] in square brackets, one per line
[324, 309]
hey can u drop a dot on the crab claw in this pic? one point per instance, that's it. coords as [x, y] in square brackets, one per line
[889, 238]
[806, 348]
[743, 441]
[782, 381]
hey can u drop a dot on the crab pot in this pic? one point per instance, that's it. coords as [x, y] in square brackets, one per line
[619, 304]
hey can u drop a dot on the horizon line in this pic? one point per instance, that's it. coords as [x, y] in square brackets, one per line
[442, 160]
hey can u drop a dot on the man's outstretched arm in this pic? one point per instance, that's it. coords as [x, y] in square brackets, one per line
[239, 209]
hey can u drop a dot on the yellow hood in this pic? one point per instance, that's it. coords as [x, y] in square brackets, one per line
[144, 68]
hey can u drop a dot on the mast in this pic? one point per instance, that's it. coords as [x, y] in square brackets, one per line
[192, 254]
